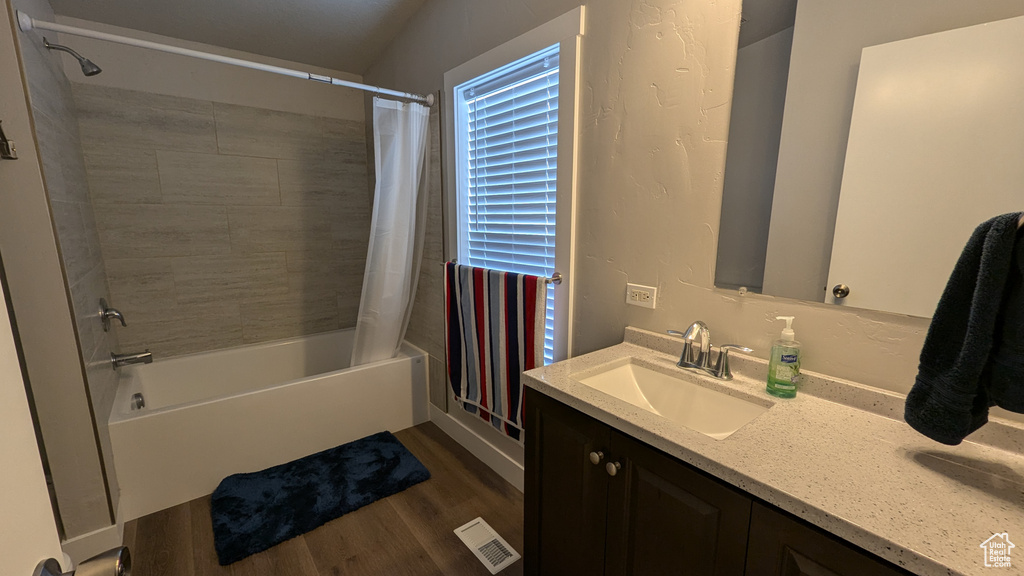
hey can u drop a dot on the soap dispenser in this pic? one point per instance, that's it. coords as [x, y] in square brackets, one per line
[784, 364]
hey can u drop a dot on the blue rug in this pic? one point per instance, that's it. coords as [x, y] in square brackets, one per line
[252, 512]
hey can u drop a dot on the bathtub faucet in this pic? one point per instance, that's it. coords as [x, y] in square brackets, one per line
[119, 360]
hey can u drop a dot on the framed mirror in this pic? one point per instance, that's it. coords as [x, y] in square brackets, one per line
[869, 139]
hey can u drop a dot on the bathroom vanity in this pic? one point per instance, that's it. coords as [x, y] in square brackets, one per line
[829, 483]
[637, 504]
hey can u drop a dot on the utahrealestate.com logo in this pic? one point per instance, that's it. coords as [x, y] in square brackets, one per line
[997, 550]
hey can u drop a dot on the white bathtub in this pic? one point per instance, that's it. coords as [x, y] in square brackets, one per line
[243, 409]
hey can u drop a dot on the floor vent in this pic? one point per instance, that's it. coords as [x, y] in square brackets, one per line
[492, 550]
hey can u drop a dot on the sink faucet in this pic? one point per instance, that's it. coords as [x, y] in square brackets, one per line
[700, 360]
[688, 359]
[119, 360]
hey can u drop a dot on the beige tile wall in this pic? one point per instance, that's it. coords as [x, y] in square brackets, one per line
[224, 225]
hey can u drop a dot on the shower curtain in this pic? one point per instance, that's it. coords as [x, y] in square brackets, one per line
[400, 133]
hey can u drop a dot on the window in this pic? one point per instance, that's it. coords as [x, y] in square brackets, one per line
[507, 150]
[511, 161]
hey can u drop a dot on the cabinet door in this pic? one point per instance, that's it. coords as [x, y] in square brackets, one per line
[784, 546]
[667, 518]
[566, 495]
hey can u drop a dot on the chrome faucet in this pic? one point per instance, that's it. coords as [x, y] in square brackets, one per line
[107, 314]
[119, 360]
[688, 359]
[700, 360]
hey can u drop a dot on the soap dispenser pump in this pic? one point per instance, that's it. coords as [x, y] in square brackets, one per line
[784, 364]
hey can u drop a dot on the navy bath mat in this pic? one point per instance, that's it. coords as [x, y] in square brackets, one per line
[252, 512]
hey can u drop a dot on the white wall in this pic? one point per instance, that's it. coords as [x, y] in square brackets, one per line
[28, 532]
[827, 42]
[151, 71]
[37, 277]
[759, 96]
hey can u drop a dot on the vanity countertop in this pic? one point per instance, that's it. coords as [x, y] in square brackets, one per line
[865, 477]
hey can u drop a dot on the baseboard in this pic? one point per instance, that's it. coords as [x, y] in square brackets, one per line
[488, 453]
[96, 542]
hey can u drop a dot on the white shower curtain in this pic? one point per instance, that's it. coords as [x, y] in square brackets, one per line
[400, 133]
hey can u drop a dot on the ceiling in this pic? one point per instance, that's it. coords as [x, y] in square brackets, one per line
[344, 35]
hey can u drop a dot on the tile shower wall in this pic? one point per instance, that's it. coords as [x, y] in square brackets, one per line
[221, 224]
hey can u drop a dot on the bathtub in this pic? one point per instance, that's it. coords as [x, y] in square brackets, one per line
[212, 414]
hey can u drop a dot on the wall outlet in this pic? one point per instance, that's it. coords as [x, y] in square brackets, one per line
[640, 295]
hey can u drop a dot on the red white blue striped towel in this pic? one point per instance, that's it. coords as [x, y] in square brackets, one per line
[494, 332]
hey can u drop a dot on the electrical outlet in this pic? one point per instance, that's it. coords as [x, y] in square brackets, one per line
[640, 295]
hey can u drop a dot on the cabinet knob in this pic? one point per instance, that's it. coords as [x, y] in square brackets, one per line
[612, 468]
[596, 457]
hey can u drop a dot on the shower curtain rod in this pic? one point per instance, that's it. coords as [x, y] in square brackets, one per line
[26, 23]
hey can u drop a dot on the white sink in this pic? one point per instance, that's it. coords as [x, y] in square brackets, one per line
[707, 411]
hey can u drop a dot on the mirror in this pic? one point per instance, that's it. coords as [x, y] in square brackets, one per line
[801, 84]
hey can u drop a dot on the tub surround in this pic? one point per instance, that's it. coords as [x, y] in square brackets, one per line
[837, 456]
[221, 224]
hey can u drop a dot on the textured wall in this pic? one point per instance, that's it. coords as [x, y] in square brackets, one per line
[222, 224]
[655, 98]
[65, 413]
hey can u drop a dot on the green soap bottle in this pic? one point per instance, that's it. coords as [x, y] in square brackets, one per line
[784, 364]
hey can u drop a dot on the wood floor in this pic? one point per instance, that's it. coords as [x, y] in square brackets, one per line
[408, 534]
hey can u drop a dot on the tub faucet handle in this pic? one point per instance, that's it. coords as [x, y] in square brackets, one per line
[107, 314]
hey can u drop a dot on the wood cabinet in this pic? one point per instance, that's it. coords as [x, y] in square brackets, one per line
[655, 515]
[601, 502]
[566, 494]
[665, 517]
[784, 546]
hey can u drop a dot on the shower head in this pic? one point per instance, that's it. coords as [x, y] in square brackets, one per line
[88, 68]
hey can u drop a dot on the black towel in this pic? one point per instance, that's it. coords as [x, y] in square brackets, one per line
[1006, 380]
[973, 355]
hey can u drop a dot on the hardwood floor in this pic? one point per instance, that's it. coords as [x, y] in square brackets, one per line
[408, 534]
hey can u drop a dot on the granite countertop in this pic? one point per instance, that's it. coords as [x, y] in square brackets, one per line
[857, 472]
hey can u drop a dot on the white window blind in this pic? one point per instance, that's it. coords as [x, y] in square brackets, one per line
[508, 166]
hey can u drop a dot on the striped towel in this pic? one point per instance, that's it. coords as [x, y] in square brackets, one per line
[494, 332]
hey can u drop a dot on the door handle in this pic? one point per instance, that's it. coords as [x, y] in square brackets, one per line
[114, 562]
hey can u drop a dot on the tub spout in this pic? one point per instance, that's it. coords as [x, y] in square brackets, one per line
[119, 360]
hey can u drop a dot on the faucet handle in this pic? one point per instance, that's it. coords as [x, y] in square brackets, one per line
[736, 347]
[722, 365]
[684, 357]
[702, 357]
[107, 314]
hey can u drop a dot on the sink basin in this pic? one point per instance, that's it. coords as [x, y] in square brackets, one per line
[707, 411]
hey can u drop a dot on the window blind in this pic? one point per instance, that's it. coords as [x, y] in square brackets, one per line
[511, 147]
